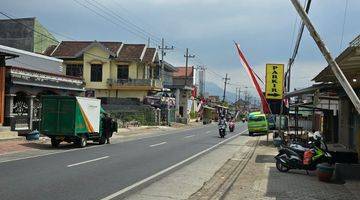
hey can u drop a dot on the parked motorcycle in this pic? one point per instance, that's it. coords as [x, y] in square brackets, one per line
[231, 126]
[296, 156]
[222, 130]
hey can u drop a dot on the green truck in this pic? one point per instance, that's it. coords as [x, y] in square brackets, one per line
[72, 119]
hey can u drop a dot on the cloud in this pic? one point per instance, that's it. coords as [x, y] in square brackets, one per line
[264, 28]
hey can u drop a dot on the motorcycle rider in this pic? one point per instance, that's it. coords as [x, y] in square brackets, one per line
[222, 126]
[222, 120]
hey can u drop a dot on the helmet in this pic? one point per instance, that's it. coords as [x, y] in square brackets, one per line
[317, 136]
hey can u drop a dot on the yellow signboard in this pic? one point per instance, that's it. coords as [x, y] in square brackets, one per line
[274, 81]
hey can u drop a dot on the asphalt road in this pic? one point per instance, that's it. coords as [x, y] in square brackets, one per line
[96, 173]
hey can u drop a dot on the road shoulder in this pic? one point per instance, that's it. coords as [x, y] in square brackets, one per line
[185, 181]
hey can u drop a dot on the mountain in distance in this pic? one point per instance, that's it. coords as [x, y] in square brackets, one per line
[215, 90]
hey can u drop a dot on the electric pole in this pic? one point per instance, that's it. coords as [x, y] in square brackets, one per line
[226, 79]
[187, 56]
[238, 96]
[201, 75]
[163, 49]
[339, 74]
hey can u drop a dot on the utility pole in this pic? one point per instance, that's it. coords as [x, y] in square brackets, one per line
[201, 74]
[296, 49]
[236, 96]
[226, 79]
[239, 96]
[163, 49]
[327, 55]
[187, 56]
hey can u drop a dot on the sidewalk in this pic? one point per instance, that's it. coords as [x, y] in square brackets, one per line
[261, 180]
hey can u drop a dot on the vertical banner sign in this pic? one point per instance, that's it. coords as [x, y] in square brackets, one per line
[274, 81]
[250, 72]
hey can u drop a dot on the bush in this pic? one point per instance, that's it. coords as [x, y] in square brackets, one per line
[192, 114]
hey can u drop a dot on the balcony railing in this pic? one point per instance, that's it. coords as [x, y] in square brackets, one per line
[135, 82]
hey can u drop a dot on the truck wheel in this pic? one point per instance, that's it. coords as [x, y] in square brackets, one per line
[55, 142]
[83, 141]
[102, 140]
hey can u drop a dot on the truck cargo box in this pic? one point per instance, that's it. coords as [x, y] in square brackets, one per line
[68, 118]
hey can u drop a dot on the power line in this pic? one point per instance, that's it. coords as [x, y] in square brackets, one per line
[296, 48]
[107, 18]
[127, 22]
[42, 34]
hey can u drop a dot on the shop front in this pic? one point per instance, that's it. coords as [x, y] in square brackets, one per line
[24, 88]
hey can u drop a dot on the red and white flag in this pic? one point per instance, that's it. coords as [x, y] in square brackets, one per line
[251, 74]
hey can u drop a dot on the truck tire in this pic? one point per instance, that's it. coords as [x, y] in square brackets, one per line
[102, 140]
[83, 141]
[55, 142]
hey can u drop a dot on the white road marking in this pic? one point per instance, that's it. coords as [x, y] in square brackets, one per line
[207, 131]
[122, 191]
[189, 136]
[158, 144]
[96, 146]
[84, 162]
[47, 154]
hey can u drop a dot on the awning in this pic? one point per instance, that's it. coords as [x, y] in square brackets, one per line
[349, 63]
[208, 107]
[310, 90]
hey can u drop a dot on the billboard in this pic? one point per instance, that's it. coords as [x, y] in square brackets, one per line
[274, 81]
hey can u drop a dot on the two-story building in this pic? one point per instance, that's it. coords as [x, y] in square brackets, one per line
[110, 69]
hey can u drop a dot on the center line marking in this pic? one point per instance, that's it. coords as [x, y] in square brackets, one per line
[161, 143]
[80, 163]
[189, 136]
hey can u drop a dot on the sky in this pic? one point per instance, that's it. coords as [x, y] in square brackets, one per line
[266, 30]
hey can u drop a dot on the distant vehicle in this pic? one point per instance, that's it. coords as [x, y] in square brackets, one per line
[163, 99]
[231, 125]
[72, 119]
[257, 123]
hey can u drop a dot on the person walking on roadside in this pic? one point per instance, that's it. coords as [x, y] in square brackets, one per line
[108, 128]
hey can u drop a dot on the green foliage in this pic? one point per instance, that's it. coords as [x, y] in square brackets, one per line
[192, 114]
[145, 116]
[225, 103]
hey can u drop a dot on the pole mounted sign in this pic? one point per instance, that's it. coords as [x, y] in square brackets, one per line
[274, 81]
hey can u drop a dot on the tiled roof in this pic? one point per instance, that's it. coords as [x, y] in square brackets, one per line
[181, 72]
[49, 50]
[149, 55]
[131, 52]
[72, 48]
